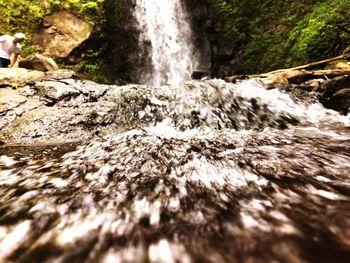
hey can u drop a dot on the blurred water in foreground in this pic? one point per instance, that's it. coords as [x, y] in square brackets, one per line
[232, 173]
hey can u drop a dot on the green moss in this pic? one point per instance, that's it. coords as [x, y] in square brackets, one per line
[282, 33]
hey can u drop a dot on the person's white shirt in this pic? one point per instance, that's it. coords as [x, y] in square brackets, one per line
[8, 47]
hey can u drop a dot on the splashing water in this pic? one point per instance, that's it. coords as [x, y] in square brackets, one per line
[164, 25]
[204, 171]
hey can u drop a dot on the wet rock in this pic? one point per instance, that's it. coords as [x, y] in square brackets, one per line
[312, 84]
[55, 90]
[335, 94]
[60, 74]
[19, 76]
[44, 123]
[228, 196]
[331, 86]
[70, 109]
[10, 99]
[339, 101]
[92, 90]
[58, 110]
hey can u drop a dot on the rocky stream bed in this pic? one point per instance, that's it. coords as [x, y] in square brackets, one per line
[205, 171]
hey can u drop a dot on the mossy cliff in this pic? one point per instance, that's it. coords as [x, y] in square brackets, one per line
[251, 36]
[266, 35]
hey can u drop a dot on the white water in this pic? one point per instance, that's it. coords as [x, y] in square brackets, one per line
[188, 188]
[164, 24]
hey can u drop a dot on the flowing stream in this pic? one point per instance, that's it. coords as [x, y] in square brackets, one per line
[210, 172]
[165, 27]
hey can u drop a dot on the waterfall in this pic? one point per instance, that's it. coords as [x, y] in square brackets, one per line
[165, 28]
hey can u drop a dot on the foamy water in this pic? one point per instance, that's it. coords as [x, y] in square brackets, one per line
[215, 172]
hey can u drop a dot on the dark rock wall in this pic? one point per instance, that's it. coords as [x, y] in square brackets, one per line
[217, 55]
[122, 43]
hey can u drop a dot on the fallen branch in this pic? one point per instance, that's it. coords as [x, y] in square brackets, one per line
[310, 64]
[300, 73]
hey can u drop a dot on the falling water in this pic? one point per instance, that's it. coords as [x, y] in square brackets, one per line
[164, 25]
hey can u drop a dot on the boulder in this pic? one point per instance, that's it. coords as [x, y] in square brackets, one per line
[19, 76]
[62, 32]
[335, 94]
[275, 81]
[339, 101]
[331, 86]
[60, 74]
[38, 62]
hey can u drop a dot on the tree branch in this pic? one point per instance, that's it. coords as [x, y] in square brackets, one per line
[312, 64]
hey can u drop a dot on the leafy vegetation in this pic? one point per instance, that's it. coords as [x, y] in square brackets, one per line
[23, 14]
[322, 33]
[282, 33]
[94, 65]
[101, 58]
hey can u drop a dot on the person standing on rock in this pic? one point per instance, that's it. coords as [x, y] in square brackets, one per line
[10, 45]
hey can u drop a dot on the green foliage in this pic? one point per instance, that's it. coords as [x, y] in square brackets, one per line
[18, 14]
[94, 67]
[281, 33]
[84, 7]
[236, 17]
[94, 71]
[322, 33]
